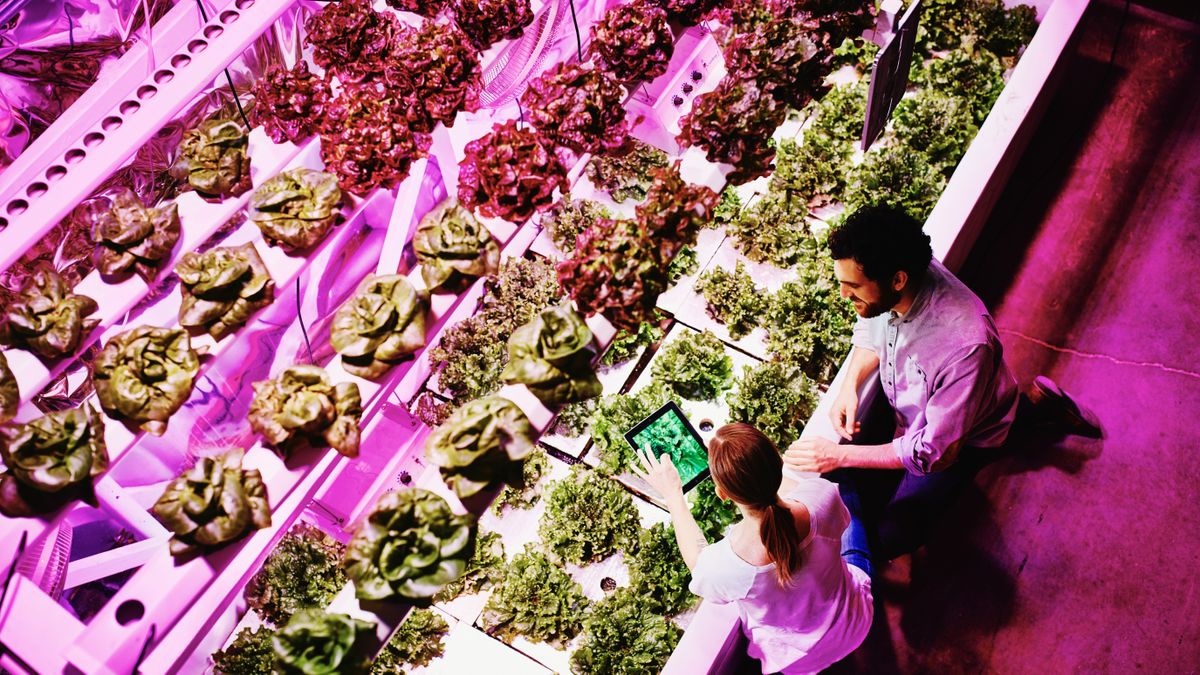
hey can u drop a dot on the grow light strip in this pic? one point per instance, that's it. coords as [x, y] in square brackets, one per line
[92, 159]
[117, 82]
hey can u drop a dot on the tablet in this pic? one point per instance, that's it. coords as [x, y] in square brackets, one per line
[668, 431]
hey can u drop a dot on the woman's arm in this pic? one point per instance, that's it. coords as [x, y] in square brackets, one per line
[688, 535]
[662, 475]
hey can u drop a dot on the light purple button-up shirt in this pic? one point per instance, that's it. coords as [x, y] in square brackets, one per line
[942, 368]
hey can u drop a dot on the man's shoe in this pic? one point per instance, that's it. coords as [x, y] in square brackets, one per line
[1061, 409]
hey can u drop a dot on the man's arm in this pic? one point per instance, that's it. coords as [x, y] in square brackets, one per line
[821, 455]
[864, 363]
[936, 435]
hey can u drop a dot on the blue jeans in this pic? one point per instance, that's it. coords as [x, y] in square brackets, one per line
[855, 547]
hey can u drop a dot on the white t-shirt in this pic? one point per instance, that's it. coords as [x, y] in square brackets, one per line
[820, 617]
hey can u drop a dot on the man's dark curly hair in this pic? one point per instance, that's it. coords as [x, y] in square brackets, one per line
[884, 240]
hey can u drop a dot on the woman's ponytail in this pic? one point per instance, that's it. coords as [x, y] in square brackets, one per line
[748, 466]
[782, 541]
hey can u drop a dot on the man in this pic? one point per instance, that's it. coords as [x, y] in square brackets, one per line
[939, 360]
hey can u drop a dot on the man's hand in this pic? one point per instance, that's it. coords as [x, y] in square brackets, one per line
[844, 413]
[660, 473]
[814, 455]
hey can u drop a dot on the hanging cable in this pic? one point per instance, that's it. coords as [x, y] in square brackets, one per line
[578, 41]
[228, 78]
[303, 329]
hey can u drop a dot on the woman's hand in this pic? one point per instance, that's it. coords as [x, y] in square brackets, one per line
[659, 472]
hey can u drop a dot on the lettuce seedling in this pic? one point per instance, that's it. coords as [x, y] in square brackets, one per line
[588, 518]
[130, 237]
[536, 600]
[625, 173]
[657, 573]
[483, 443]
[435, 73]
[46, 318]
[350, 39]
[623, 636]
[453, 248]
[774, 229]
[411, 546]
[296, 209]
[633, 41]
[213, 159]
[733, 299]
[695, 365]
[578, 106]
[510, 173]
[252, 652]
[568, 218]
[733, 125]
[304, 405]
[486, 22]
[383, 322]
[776, 398]
[417, 642]
[213, 503]
[303, 570]
[144, 375]
[367, 141]
[552, 356]
[290, 104]
[315, 642]
[222, 288]
[50, 459]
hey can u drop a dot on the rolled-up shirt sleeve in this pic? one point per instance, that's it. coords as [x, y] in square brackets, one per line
[933, 440]
[864, 335]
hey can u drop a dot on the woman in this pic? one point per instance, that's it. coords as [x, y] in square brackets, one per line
[803, 607]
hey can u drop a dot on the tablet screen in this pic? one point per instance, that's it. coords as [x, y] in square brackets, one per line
[667, 431]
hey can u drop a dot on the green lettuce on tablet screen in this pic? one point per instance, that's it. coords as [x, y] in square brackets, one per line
[667, 431]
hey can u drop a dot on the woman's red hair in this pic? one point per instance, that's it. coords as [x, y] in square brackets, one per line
[749, 468]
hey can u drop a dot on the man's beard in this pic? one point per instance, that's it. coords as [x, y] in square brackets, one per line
[886, 302]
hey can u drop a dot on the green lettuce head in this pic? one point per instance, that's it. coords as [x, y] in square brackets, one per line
[213, 159]
[50, 455]
[297, 208]
[317, 643]
[10, 394]
[452, 246]
[144, 375]
[222, 288]
[213, 503]
[131, 237]
[483, 443]
[411, 546]
[537, 600]
[303, 404]
[552, 356]
[46, 318]
[381, 324]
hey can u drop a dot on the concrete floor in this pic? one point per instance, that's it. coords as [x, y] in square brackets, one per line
[1083, 558]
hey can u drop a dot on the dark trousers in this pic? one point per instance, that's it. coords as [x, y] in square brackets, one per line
[897, 509]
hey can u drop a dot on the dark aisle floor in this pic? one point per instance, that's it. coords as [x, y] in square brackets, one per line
[1084, 558]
